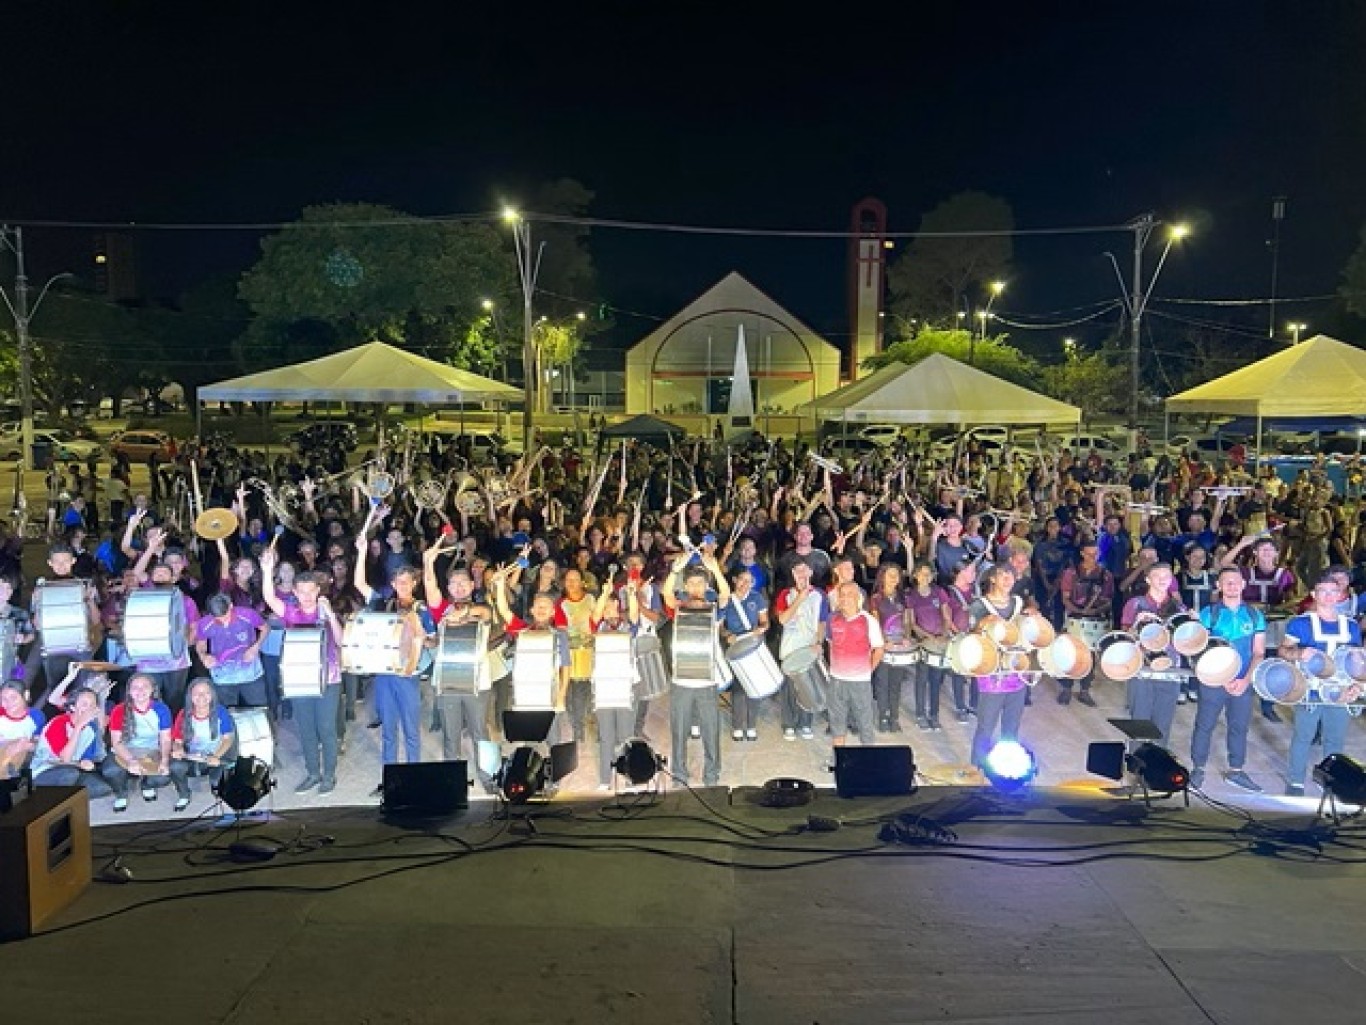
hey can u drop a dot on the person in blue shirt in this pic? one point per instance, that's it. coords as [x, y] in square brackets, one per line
[1244, 627]
[1320, 629]
[745, 615]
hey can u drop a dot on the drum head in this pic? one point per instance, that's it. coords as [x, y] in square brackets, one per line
[1217, 666]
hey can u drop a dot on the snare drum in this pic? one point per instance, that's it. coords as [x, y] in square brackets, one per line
[461, 653]
[1087, 629]
[154, 624]
[613, 670]
[651, 670]
[535, 671]
[810, 680]
[380, 642]
[254, 738]
[303, 662]
[754, 667]
[695, 645]
[63, 618]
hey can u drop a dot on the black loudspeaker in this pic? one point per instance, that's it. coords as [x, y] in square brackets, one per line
[44, 858]
[874, 771]
[425, 788]
[787, 792]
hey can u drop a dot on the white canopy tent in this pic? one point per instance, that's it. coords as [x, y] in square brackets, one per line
[374, 372]
[1320, 377]
[940, 390]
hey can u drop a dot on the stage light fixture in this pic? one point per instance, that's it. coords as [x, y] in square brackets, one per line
[1010, 766]
[1157, 769]
[527, 772]
[247, 783]
[638, 762]
[1343, 780]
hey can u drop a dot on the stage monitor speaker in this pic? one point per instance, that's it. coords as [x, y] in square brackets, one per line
[44, 858]
[425, 788]
[874, 771]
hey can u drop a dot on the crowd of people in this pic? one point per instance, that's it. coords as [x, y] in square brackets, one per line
[869, 569]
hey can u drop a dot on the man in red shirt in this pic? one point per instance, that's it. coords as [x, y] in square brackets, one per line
[856, 647]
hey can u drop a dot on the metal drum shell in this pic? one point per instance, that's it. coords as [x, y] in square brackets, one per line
[1120, 656]
[1087, 630]
[1153, 636]
[694, 645]
[651, 670]
[154, 623]
[1035, 630]
[535, 674]
[613, 670]
[1189, 635]
[64, 621]
[373, 643]
[303, 662]
[808, 677]
[974, 654]
[1351, 663]
[754, 666]
[1067, 658]
[461, 653]
[1217, 665]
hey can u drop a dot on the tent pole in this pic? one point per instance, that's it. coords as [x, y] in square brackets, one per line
[199, 419]
[1257, 452]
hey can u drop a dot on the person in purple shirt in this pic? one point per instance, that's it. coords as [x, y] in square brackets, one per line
[229, 642]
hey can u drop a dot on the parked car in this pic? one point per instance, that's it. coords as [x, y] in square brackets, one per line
[1087, 442]
[851, 448]
[138, 446]
[885, 435]
[65, 446]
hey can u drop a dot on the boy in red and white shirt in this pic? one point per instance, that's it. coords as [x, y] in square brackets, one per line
[856, 647]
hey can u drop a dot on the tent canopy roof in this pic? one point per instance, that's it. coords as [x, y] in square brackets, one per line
[1319, 377]
[940, 390]
[374, 372]
[644, 427]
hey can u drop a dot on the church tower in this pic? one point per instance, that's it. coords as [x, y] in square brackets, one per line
[867, 273]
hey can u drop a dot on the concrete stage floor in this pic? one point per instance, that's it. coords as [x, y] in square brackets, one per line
[1060, 905]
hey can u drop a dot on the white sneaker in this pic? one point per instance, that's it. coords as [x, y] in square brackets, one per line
[789, 734]
[695, 732]
[737, 734]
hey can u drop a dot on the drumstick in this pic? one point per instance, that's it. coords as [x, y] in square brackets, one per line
[198, 497]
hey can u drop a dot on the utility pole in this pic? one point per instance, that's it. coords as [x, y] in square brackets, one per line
[1277, 215]
[13, 240]
[528, 266]
[1142, 228]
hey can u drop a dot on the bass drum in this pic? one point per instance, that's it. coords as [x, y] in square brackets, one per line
[535, 671]
[381, 642]
[754, 667]
[303, 662]
[652, 673]
[613, 670]
[460, 658]
[810, 680]
[154, 624]
[64, 621]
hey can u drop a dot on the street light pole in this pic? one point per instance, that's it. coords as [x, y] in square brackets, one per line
[528, 265]
[1142, 228]
[19, 309]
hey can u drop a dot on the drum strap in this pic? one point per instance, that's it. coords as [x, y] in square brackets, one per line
[1330, 641]
[739, 607]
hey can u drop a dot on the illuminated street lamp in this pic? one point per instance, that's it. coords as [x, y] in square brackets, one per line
[1069, 347]
[1136, 300]
[528, 266]
[983, 315]
[1295, 327]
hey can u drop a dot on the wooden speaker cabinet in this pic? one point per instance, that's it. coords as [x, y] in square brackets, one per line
[44, 857]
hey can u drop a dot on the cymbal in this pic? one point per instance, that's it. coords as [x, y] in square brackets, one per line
[215, 524]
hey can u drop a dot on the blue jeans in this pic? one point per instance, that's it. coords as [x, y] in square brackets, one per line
[1214, 700]
[1334, 719]
[399, 704]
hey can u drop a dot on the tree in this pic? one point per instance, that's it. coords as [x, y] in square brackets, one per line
[936, 276]
[1097, 382]
[1353, 290]
[994, 355]
[350, 273]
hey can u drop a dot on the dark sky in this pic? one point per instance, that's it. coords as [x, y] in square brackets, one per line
[1076, 114]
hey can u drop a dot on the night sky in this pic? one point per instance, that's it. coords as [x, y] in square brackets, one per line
[1076, 114]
